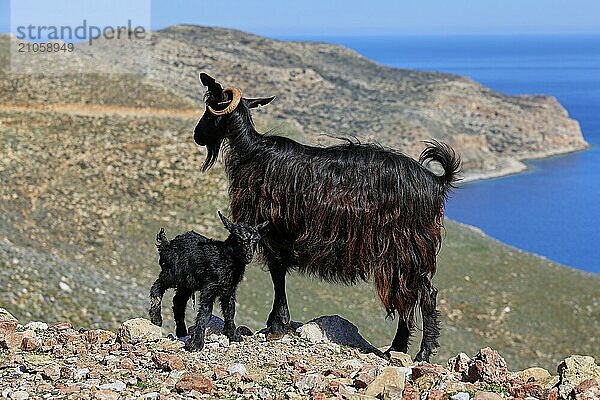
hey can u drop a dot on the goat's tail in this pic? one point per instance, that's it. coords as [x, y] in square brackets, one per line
[447, 157]
[161, 240]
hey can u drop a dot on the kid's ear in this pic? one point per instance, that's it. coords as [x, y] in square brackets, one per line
[226, 223]
[258, 102]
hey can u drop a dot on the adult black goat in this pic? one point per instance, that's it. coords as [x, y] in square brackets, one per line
[343, 213]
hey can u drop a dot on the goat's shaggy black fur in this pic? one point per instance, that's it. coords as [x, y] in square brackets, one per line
[191, 262]
[343, 213]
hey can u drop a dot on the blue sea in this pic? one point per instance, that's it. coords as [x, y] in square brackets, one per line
[553, 209]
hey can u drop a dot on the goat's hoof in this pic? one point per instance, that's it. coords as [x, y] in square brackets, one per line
[191, 346]
[422, 356]
[275, 332]
[387, 355]
[235, 337]
[243, 331]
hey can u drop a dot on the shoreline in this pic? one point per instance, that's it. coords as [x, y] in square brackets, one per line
[514, 166]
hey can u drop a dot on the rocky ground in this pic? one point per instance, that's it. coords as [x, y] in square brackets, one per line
[318, 361]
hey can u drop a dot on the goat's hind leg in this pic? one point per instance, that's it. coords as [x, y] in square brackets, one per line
[179, 304]
[157, 292]
[401, 339]
[431, 324]
[196, 342]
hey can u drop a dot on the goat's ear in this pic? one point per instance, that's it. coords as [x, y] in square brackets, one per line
[262, 226]
[263, 101]
[210, 82]
[226, 223]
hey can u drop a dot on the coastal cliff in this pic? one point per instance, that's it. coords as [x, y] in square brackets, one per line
[330, 90]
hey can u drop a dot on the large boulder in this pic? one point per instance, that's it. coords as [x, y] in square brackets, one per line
[488, 366]
[390, 378]
[8, 323]
[138, 330]
[460, 365]
[338, 330]
[574, 370]
[534, 374]
[10, 339]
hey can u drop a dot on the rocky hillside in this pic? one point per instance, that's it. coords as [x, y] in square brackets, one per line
[324, 89]
[323, 359]
[92, 165]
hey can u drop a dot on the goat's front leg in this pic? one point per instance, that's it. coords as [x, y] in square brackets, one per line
[157, 292]
[179, 303]
[431, 324]
[228, 310]
[279, 318]
[196, 342]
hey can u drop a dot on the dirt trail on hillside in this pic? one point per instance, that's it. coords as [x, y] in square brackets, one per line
[101, 110]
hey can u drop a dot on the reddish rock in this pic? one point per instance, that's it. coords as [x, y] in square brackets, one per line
[66, 373]
[553, 394]
[140, 349]
[106, 395]
[435, 394]
[195, 381]
[530, 389]
[30, 343]
[61, 326]
[460, 364]
[400, 359]
[140, 376]
[219, 372]
[318, 396]
[99, 336]
[488, 366]
[127, 363]
[8, 326]
[51, 372]
[335, 372]
[411, 392]
[168, 362]
[334, 386]
[362, 380]
[487, 396]
[432, 370]
[585, 385]
[169, 382]
[8, 362]
[66, 338]
[11, 341]
[587, 390]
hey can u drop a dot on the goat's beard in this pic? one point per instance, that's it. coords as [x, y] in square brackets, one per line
[212, 154]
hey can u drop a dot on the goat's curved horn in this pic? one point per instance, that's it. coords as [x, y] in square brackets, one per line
[235, 101]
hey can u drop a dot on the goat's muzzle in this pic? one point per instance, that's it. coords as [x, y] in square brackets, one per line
[236, 97]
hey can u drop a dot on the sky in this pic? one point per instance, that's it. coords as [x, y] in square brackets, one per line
[363, 17]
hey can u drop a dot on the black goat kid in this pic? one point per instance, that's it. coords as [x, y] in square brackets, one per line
[343, 213]
[191, 262]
